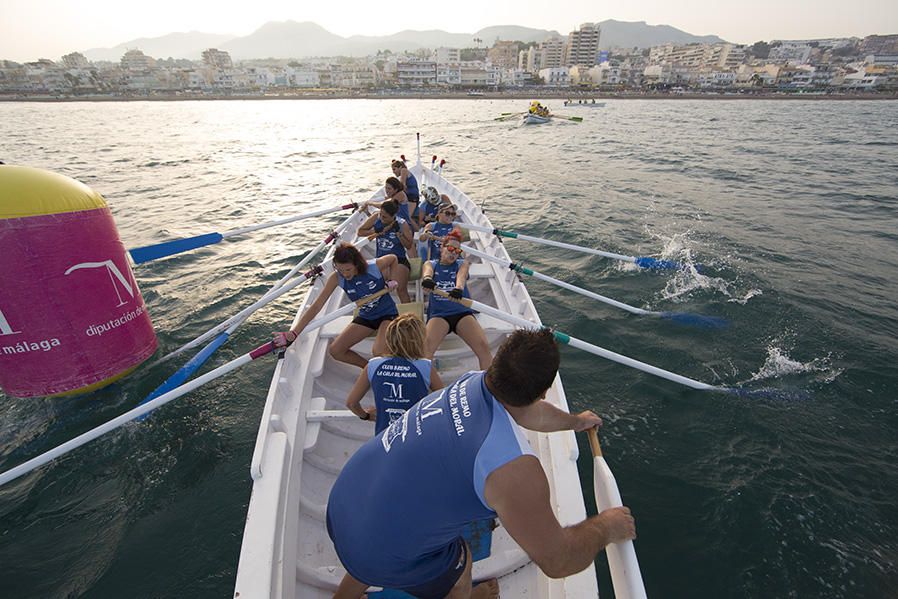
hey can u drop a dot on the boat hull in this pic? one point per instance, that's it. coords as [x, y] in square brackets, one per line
[535, 119]
[286, 552]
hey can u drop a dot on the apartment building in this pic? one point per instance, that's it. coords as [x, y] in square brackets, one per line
[217, 58]
[582, 46]
[503, 54]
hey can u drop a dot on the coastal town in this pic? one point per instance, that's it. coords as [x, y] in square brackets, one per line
[558, 65]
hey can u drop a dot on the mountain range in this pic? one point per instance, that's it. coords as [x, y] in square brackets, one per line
[291, 39]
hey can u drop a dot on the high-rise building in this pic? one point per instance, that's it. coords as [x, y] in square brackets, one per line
[75, 60]
[551, 53]
[135, 60]
[503, 54]
[583, 46]
[217, 58]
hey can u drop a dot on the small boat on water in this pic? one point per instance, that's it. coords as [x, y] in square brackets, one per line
[535, 119]
[592, 104]
[303, 442]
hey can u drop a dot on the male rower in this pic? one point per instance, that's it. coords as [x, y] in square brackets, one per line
[397, 510]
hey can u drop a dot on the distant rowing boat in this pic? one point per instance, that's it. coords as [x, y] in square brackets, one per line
[584, 104]
[535, 119]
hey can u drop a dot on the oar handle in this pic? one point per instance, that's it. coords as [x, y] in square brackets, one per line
[370, 298]
[463, 301]
[593, 436]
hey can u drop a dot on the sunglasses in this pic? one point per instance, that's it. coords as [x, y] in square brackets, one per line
[452, 249]
[448, 213]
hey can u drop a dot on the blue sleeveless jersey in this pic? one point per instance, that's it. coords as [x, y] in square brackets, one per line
[444, 277]
[407, 494]
[389, 243]
[397, 384]
[411, 188]
[439, 230]
[430, 211]
[403, 211]
[363, 285]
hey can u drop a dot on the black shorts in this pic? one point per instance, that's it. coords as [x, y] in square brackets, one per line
[404, 261]
[373, 324]
[440, 586]
[453, 319]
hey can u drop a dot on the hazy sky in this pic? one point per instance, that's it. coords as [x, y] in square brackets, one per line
[31, 29]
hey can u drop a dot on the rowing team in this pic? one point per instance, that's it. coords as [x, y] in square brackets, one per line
[443, 457]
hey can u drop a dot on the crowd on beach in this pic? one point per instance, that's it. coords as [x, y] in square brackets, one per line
[444, 454]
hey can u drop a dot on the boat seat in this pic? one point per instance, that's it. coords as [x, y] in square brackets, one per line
[480, 271]
[415, 272]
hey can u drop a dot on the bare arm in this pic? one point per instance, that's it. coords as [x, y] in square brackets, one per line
[435, 381]
[367, 227]
[405, 236]
[519, 493]
[543, 417]
[385, 264]
[461, 277]
[427, 269]
[313, 310]
[354, 399]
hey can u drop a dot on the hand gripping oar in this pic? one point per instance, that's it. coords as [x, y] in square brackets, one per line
[262, 350]
[196, 362]
[176, 246]
[276, 291]
[678, 317]
[642, 262]
[622, 563]
[587, 347]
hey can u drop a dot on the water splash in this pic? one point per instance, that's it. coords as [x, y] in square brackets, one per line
[778, 365]
[744, 299]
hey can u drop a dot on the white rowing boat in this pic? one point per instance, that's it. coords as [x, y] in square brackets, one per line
[584, 104]
[535, 119]
[305, 439]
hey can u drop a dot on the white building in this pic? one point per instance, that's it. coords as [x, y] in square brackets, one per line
[790, 52]
[551, 53]
[416, 73]
[443, 56]
[556, 77]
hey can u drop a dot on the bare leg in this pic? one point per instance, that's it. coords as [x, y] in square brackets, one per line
[401, 273]
[435, 331]
[380, 342]
[472, 333]
[340, 347]
[350, 588]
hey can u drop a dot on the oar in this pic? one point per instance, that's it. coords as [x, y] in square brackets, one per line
[508, 115]
[587, 347]
[564, 117]
[279, 289]
[642, 262]
[622, 563]
[262, 350]
[679, 317]
[196, 362]
[163, 399]
[176, 246]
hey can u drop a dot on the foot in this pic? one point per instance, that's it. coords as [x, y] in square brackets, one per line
[488, 589]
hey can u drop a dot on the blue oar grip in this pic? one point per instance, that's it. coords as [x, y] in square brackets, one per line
[169, 248]
[501, 233]
[561, 337]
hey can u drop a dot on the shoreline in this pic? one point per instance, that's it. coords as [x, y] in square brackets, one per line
[548, 95]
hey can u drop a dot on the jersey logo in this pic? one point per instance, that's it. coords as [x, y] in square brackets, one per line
[397, 428]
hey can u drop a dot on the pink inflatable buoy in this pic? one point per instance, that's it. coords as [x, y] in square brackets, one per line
[72, 319]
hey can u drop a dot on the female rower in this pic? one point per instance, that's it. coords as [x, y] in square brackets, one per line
[430, 206]
[434, 233]
[399, 379]
[358, 279]
[393, 190]
[410, 185]
[444, 316]
[394, 237]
